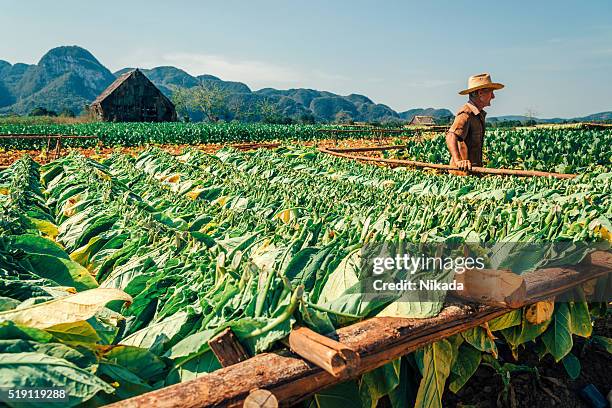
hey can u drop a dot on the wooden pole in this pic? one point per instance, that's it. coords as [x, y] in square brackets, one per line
[226, 347]
[377, 340]
[478, 170]
[492, 287]
[260, 399]
[368, 149]
[332, 356]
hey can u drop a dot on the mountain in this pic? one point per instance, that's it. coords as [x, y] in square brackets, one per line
[595, 117]
[70, 77]
[64, 78]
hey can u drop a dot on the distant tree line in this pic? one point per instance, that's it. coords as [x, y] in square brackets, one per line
[217, 104]
[40, 111]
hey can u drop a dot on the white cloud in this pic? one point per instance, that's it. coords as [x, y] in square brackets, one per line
[256, 74]
[249, 71]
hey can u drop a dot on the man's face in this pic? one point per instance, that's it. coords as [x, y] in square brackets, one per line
[485, 96]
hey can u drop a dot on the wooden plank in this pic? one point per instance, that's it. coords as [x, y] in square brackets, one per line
[477, 170]
[377, 341]
[226, 347]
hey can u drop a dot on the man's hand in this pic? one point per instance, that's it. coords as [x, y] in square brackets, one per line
[464, 165]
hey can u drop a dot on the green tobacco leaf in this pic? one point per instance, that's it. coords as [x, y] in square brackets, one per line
[7, 303]
[157, 335]
[193, 368]
[477, 337]
[377, 383]
[604, 342]
[466, 364]
[127, 384]
[509, 319]
[35, 244]
[572, 366]
[65, 272]
[78, 332]
[10, 330]
[437, 361]
[342, 278]
[580, 319]
[140, 361]
[192, 344]
[517, 335]
[342, 395]
[80, 357]
[558, 336]
[36, 370]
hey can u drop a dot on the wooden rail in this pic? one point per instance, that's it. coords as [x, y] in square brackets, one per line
[377, 341]
[58, 140]
[477, 170]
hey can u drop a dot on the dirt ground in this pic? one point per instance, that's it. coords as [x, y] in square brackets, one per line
[554, 388]
[7, 157]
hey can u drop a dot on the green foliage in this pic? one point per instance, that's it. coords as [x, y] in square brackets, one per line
[257, 242]
[558, 150]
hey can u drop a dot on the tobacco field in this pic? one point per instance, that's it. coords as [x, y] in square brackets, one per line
[115, 274]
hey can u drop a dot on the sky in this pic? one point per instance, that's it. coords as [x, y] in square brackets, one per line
[555, 57]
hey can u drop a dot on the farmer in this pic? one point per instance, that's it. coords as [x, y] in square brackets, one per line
[465, 137]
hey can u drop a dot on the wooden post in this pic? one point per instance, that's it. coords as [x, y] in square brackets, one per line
[260, 399]
[58, 147]
[332, 356]
[226, 347]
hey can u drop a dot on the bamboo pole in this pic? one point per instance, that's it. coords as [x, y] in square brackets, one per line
[478, 170]
[377, 340]
[332, 356]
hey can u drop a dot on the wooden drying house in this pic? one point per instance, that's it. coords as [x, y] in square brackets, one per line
[133, 98]
[422, 120]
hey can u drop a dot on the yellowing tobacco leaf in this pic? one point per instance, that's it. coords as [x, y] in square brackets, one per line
[221, 201]
[68, 208]
[287, 215]
[540, 312]
[47, 228]
[4, 191]
[69, 309]
[81, 254]
[601, 227]
[194, 194]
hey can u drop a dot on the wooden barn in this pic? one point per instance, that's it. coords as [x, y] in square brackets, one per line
[133, 98]
[422, 120]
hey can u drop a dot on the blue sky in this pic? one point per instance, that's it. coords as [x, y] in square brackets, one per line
[555, 57]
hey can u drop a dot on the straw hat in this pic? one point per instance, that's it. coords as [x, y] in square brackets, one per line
[480, 81]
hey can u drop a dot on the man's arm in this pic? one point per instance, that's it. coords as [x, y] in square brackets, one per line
[455, 135]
